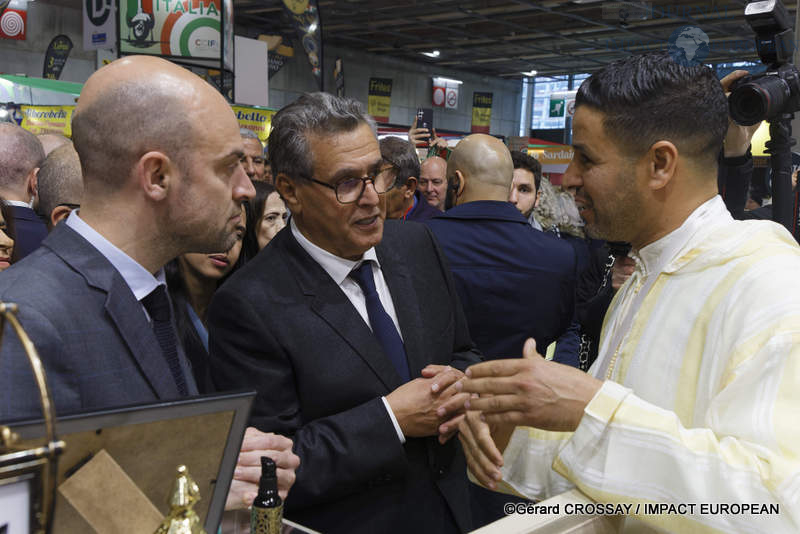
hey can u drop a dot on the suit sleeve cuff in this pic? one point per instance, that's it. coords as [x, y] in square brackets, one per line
[400, 435]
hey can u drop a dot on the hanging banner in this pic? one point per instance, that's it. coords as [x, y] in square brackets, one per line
[380, 98]
[48, 119]
[256, 119]
[175, 28]
[338, 77]
[13, 19]
[56, 57]
[304, 15]
[481, 112]
[99, 25]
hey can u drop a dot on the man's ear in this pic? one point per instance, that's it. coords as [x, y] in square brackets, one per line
[538, 198]
[59, 213]
[33, 183]
[156, 173]
[461, 182]
[662, 162]
[288, 191]
[411, 187]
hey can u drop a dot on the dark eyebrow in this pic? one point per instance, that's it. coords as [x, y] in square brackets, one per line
[582, 148]
[352, 172]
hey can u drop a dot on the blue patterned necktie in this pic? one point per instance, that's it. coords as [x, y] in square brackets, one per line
[157, 305]
[382, 325]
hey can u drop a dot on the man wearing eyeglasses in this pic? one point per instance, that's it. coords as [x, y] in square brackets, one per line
[433, 181]
[350, 352]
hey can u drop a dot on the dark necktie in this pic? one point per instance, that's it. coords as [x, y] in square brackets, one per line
[382, 325]
[157, 305]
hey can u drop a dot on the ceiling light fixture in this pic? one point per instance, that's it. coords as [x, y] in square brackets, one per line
[531, 73]
[433, 54]
[445, 81]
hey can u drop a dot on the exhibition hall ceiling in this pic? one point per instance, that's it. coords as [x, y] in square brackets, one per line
[508, 37]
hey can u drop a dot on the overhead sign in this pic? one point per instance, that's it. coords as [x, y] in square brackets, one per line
[99, 24]
[14, 20]
[481, 112]
[445, 92]
[177, 28]
[380, 98]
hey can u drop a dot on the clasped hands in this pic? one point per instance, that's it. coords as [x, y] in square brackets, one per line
[501, 394]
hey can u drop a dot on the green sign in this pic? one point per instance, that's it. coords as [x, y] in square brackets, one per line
[556, 107]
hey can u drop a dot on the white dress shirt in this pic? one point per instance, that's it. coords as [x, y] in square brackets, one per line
[139, 279]
[339, 270]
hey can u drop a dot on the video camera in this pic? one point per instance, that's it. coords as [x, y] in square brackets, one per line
[776, 92]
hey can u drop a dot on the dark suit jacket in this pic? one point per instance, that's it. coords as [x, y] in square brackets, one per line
[422, 211]
[283, 327]
[514, 281]
[98, 348]
[29, 230]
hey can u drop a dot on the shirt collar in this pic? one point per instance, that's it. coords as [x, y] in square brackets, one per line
[338, 268]
[18, 203]
[655, 257]
[139, 279]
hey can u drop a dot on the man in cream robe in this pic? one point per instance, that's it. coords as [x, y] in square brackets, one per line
[695, 397]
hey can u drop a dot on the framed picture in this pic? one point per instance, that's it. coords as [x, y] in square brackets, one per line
[20, 498]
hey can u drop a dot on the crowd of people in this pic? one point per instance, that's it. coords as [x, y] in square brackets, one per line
[403, 322]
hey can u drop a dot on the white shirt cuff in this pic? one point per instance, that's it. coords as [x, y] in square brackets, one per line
[394, 420]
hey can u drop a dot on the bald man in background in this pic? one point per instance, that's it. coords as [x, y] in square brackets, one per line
[514, 282]
[433, 181]
[21, 155]
[156, 185]
[52, 141]
[60, 185]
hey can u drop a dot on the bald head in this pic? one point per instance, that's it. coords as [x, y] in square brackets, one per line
[482, 159]
[20, 155]
[132, 106]
[60, 184]
[51, 142]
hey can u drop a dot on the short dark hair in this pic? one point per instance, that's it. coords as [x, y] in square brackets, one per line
[403, 156]
[312, 113]
[529, 163]
[60, 180]
[649, 97]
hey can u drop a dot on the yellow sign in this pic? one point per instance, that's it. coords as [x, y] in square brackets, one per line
[257, 119]
[481, 112]
[48, 119]
[379, 99]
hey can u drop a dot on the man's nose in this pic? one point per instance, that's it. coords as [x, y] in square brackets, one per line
[249, 168]
[571, 180]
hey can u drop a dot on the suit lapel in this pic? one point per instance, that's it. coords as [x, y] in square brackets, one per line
[331, 304]
[121, 305]
[406, 305]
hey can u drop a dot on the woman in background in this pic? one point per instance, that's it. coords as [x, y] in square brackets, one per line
[192, 280]
[265, 218]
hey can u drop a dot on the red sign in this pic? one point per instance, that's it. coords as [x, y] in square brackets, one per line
[12, 24]
[438, 96]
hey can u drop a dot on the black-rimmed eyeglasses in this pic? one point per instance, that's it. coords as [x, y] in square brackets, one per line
[350, 190]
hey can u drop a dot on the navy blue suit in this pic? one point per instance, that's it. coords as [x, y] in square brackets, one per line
[29, 230]
[422, 211]
[514, 281]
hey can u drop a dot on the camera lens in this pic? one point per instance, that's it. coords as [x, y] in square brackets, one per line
[758, 99]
